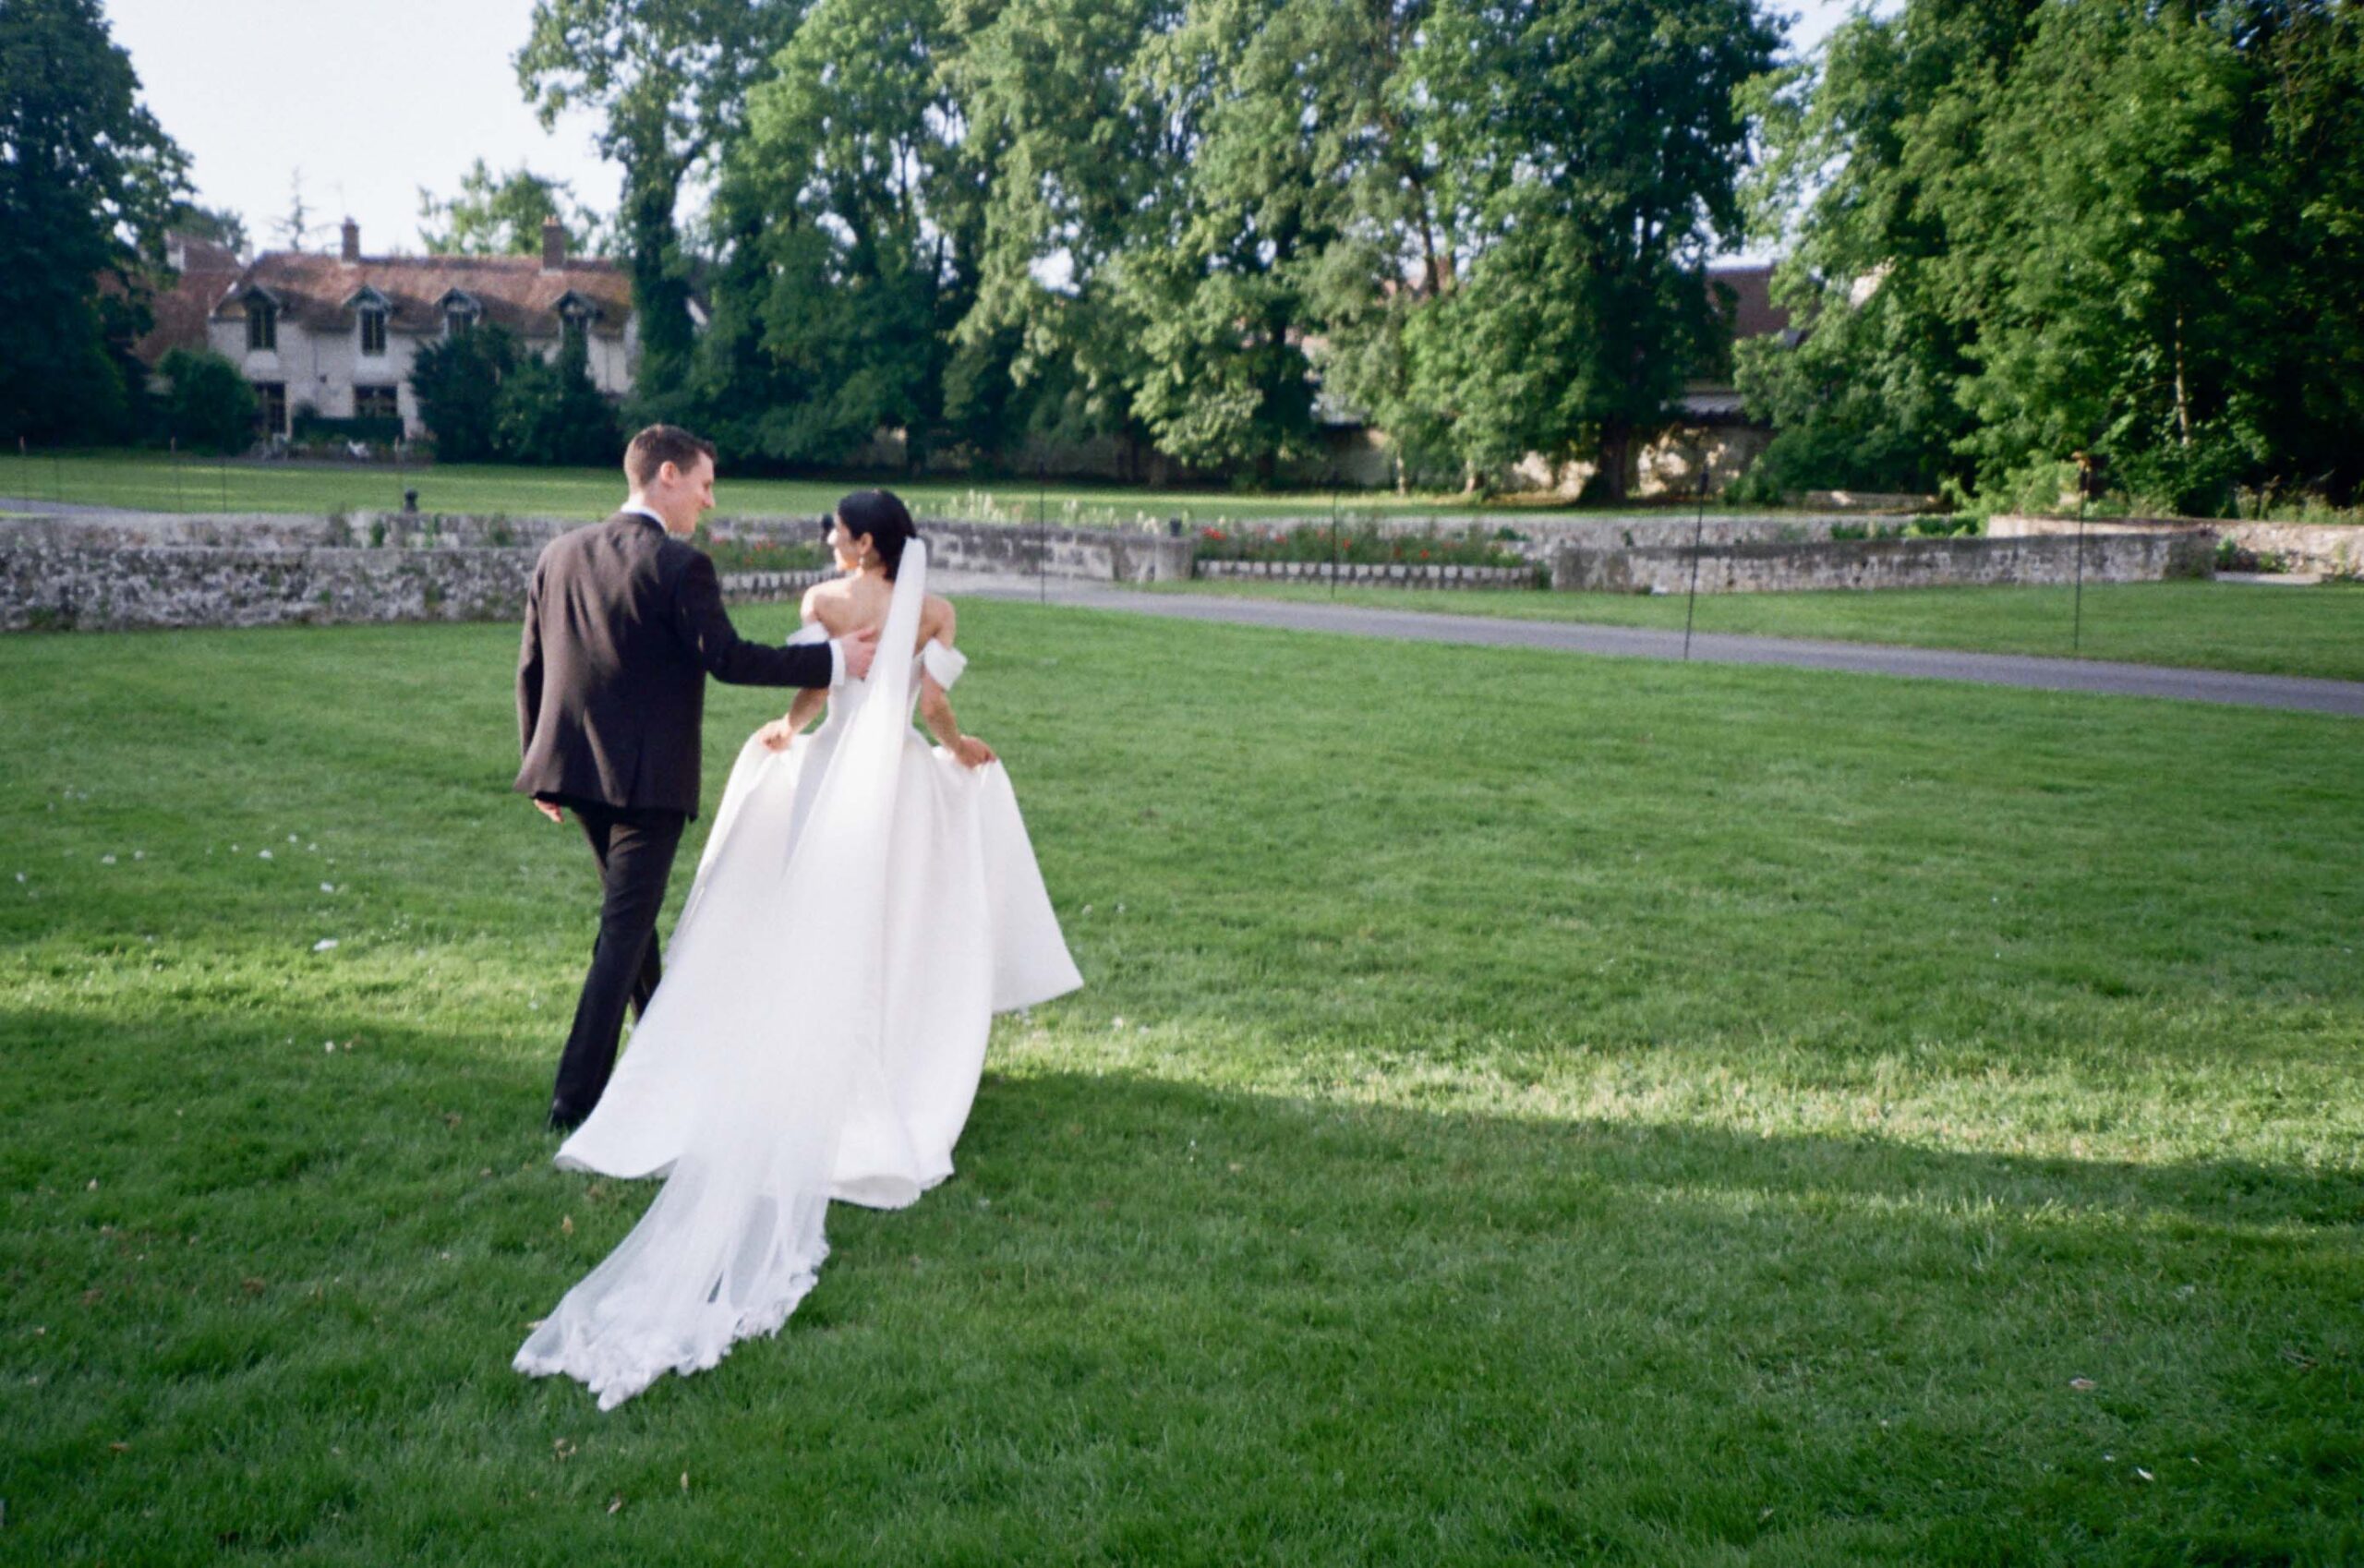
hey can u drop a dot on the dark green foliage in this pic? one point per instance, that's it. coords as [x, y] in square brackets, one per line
[500, 215]
[549, 414]
[457, 381]
[209, 408]
[487, 399]
[2129, 231]
[221, 225]
[87, 183]
[670, 78]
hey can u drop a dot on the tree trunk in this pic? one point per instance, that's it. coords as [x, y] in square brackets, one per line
[1616, 459]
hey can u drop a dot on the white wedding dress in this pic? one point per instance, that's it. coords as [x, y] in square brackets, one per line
[864, 904]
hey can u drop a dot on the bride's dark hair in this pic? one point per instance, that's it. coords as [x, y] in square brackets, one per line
[882, 516]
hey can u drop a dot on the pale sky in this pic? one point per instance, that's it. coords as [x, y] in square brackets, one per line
[372, 101]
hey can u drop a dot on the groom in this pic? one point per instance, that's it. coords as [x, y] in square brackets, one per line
[623, 624]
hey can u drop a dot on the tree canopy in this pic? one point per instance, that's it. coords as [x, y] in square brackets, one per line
[2022, 232]
[89, 182]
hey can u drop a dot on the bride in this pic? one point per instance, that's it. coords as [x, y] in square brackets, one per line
[864, 903]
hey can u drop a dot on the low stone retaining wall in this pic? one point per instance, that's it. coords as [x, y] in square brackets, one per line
[1396, 574]
[2334, 550]
[769, 587]
[1096, 555]
[124, 571]
[47, 588]
[1883, 563]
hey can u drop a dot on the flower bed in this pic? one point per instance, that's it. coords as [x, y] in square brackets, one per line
[759, 554]
[1398, 573]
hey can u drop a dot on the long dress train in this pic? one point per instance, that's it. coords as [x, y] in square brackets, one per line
[864, 903]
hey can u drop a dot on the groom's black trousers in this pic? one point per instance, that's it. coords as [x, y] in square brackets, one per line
[635, 848]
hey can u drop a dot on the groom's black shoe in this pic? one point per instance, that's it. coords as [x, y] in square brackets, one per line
[564, 1117]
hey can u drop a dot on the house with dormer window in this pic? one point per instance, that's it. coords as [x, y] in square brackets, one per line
[337, 333]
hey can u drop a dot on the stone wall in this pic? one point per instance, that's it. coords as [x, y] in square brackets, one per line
[45, 587]
[2334, 550]
[1398, 575]
[120, 571]
[1882, 563]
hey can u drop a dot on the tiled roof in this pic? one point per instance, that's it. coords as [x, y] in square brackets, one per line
[1754, 314]
[515, 292]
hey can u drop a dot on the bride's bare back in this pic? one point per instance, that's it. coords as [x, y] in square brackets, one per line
[846, 605]
[858, 602]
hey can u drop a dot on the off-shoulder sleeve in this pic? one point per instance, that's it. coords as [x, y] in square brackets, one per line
[944, 664]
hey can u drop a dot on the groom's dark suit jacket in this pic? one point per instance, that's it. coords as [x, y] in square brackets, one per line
[623, 624]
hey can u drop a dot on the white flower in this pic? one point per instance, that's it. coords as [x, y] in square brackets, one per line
[327, 888]
[290, 837]
[324, 945]
[106, 859]
[329, 1045]
[139, 854]
[262, 854]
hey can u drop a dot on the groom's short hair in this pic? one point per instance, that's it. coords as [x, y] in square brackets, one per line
[660, 444]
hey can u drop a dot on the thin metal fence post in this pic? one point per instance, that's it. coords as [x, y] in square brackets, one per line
[2077, 624]
[1698, 533]
[1333, 544]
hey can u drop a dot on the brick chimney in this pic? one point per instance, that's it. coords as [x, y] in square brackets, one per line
[553, 245]
[351, 240]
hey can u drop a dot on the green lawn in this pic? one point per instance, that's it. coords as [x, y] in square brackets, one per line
[2269, 629]
[154, 481]
[1524, 1108]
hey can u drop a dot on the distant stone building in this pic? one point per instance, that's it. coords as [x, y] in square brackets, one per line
[337, 333]
[182, 305]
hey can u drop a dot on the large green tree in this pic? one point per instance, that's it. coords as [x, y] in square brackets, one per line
[2123, 229]
[500, 215]
[1596, 147]
[670, 80]
[1073, 150]
[848, 196]
[88, 184]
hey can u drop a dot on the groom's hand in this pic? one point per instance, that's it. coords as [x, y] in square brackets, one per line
[550, 810]
[860, 647]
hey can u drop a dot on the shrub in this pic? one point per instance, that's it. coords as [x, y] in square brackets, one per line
[552, 414]
[457, 382]
[210, 407]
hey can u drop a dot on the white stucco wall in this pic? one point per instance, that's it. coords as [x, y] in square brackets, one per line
[322, 368]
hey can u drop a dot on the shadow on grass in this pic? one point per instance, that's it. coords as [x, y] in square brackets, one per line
[1156, 1319]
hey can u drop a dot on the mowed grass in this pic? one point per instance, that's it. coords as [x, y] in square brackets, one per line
[157, 482]
[1524, 1108]
[2269, 629]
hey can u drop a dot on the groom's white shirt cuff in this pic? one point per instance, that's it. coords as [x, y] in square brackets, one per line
[837, 649]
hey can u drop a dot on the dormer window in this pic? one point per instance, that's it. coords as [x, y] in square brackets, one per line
[262, 324]
[372, 309]
[575, 315]
[461, 312]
